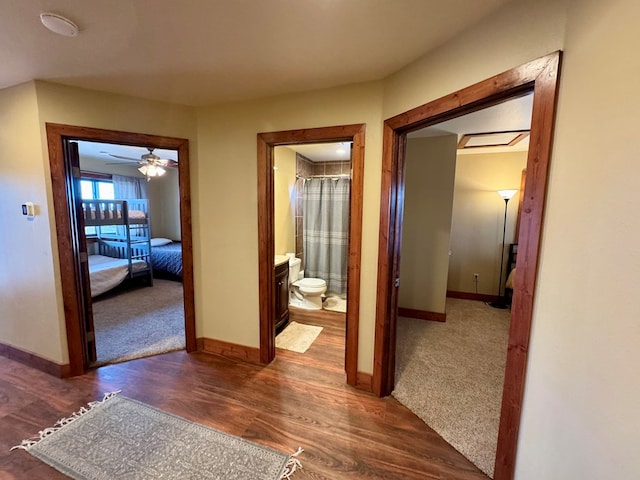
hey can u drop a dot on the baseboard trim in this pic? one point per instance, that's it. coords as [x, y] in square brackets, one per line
[422, 314]
[481, 297]
[228, 350]
[364, 381]
[34, 361]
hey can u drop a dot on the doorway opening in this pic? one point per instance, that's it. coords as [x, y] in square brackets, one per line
[72, 241]
[267, 142]
[540, 77]
[450, 369]
[135, 260]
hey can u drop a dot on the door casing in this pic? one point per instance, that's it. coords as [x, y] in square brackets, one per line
[540, 77]
[266, 143]
[69, 254]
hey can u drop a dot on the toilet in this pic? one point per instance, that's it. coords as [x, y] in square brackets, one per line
[304, 292]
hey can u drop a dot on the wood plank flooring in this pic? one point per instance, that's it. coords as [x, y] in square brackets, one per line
[297, 400]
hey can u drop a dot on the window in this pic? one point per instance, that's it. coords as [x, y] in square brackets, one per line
[94, 189]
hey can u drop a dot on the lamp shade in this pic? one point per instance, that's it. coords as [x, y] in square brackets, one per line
[152, 170]
[507, 194]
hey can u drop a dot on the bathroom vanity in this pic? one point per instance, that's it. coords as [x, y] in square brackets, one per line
[281, 272]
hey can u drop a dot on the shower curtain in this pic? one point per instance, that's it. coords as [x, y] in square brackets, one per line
[326, 231]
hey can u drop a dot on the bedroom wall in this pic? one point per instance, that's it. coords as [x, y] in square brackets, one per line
[284, 200]
[426, 228]
[28, 298]
[164, 204]
[478, 214]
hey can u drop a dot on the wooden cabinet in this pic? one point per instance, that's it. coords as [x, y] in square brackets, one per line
[281, 315]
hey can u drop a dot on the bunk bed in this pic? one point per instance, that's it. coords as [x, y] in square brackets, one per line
[121, 245]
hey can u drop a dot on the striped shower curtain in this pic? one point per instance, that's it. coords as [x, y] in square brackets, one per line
[326, 231]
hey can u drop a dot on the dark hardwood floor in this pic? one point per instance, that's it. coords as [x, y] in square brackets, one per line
[298, 400]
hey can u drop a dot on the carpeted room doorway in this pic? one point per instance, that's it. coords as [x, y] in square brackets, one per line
[139, 321]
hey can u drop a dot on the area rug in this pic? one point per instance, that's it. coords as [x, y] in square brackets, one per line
[335, 304]
[125, 439]
[297, 337]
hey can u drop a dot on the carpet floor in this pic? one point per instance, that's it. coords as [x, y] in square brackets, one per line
[139, 323]
[451, 375]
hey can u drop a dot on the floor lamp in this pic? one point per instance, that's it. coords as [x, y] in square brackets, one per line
[506, 195]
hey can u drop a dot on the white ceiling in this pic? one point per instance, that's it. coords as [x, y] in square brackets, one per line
[514, 114]
[100, 151]
[324, 152]
[200, 52]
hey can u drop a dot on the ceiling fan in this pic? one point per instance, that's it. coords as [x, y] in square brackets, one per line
[151, 165]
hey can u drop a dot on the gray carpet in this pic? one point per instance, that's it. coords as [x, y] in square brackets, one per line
[139, 323]
[451, 375]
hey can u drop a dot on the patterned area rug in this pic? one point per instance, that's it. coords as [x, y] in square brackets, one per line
[122, 438]
[297, 337]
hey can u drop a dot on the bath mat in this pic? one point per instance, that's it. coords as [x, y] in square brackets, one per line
[297, 337]
[335, 304]
[123, 438]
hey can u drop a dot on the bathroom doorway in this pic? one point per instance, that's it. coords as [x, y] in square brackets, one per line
[267, 143]
[311, 234]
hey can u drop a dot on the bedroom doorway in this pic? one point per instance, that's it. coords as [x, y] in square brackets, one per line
[135, 260]
[72, 242]
[540, 77]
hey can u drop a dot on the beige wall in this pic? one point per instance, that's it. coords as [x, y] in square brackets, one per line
[30, 317]
[228, 187]
[478, 215]
[164, 205]
[33, 319]
[426, 226]
[580, 416]
[284, 194]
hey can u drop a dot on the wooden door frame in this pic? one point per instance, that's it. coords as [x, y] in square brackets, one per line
[266, 144]
[540, 77]
[69, 257]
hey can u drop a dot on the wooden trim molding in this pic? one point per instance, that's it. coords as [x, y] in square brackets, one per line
[229, 350]
[35, 361]
[422, 314]
[540, 77]
[480, 297]
[266, 143]
[364, 382]
[69, 258]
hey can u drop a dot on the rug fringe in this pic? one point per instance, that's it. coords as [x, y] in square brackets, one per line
[292, 465]
[30, 442]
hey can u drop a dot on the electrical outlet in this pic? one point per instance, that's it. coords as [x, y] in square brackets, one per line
[475, 277]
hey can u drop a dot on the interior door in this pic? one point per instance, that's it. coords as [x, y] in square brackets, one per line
[79, 245]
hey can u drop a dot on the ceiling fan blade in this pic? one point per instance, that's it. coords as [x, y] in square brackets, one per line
[123, 164]
[123, 158]
[167, 162]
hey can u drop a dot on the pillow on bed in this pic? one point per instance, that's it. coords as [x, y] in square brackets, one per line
[158, 242]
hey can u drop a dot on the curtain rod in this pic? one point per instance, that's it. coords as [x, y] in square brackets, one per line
[344, 175]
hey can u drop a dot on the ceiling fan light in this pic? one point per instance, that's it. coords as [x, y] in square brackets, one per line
[143, 170]
[59, 24]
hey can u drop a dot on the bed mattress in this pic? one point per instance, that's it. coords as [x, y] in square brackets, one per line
[106, 273]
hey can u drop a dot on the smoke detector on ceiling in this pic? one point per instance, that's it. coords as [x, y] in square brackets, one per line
[59, 24]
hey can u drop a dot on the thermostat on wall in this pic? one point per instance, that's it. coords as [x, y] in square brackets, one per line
[29, 210]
